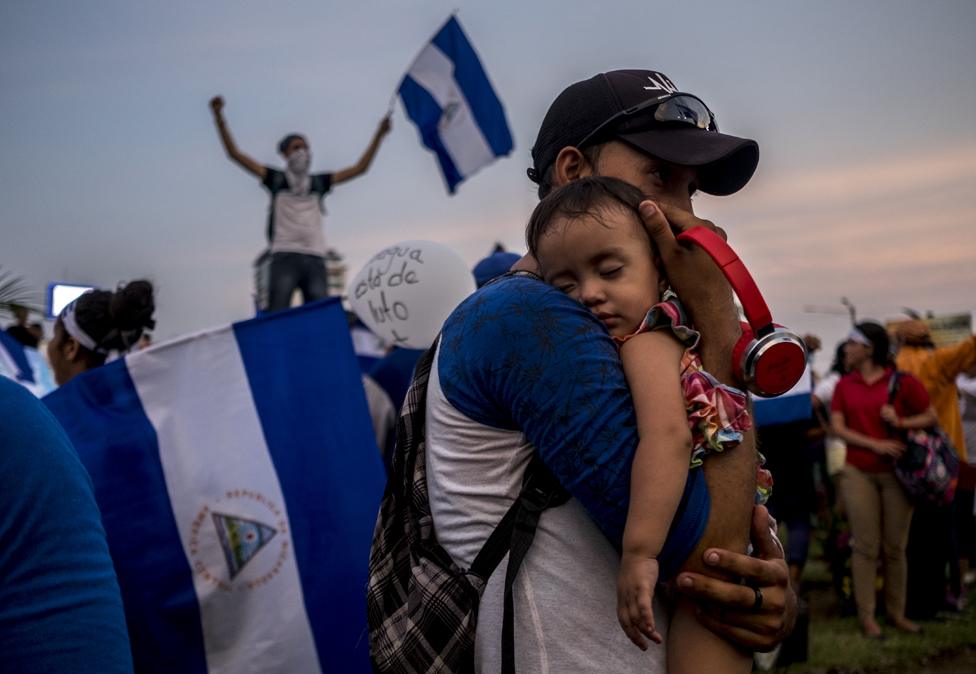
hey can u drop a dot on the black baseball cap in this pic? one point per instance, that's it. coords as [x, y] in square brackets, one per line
[627, 105]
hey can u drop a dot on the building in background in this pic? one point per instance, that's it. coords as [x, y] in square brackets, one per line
[335, 272]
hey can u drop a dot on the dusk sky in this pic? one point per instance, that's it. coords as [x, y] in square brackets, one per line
[111, 168]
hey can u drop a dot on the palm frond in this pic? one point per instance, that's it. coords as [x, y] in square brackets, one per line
[14, 291]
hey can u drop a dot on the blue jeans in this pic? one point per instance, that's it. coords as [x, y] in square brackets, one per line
[296, 270]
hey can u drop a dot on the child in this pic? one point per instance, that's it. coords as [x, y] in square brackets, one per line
[590, 244]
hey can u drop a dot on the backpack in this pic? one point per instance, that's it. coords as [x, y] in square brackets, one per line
[422, 609]
[929, 467]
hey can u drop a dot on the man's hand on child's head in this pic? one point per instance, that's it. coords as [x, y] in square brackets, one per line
[692, 273]
[699, 283]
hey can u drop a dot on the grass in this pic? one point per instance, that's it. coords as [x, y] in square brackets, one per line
[836, 646]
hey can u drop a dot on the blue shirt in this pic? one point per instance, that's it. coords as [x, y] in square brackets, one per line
[60, 607]
[520, 355]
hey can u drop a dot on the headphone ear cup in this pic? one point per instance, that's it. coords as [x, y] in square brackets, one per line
[776, 362]
[771, 365]
[781, 362]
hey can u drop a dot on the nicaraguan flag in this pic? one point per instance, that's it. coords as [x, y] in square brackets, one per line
[238, 479]
[24, 365]
[13, 361]
[794, 405]
[448, 96]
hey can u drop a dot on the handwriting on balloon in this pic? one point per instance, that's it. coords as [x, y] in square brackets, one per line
[390, 268]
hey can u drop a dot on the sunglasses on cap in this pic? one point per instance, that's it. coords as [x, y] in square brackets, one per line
[678, 108]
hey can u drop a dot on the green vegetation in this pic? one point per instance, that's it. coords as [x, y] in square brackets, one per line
[14, 292]
[836, 646]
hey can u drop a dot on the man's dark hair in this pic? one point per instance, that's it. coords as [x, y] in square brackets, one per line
[579, 198]
[286, 141]
[878, 336]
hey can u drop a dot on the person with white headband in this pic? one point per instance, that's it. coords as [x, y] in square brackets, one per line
[878, 508]
[97, 323]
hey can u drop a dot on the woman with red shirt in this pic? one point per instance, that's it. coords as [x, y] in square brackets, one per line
[879, 511]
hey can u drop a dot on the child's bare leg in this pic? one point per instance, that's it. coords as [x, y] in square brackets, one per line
[731, 480]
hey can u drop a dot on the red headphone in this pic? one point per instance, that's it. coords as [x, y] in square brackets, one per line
[768, 359]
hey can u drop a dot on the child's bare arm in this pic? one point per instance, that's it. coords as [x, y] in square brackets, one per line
[652, 364]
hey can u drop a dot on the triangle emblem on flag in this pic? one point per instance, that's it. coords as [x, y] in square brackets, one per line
[241, 539]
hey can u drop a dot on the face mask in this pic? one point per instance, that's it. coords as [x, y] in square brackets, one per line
[298, 161]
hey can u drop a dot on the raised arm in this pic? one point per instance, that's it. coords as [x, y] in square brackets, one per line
[242, 160]
[361, 166]
[951, 361]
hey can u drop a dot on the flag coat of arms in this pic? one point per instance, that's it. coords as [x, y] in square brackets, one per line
[448, 96]
[238, 480]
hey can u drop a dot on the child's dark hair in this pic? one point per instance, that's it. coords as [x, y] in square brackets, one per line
[579, 198]
[116, 320]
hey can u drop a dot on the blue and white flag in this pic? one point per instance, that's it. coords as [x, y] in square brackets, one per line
[794, 405]
[13, 361]
[238, 479]
[25, 365]
[448, 96]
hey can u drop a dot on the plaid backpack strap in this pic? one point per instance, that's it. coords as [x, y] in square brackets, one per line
[440, 637]
[410, 423]
[398, 530]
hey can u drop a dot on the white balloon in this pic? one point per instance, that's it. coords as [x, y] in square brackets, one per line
[406, 291]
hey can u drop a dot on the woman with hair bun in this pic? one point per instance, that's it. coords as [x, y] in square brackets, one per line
[97, 323]
[877, 506]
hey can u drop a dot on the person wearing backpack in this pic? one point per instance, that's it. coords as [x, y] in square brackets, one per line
[524, 388]
[295, 234]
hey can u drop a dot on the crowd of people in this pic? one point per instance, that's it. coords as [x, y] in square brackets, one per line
[839, 473]
[604, 360]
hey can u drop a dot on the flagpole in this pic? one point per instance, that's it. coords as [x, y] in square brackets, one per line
[396, 92]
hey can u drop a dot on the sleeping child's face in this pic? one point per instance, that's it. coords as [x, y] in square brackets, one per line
[603, 260]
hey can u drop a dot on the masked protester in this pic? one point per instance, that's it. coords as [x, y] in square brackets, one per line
[297, 243]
